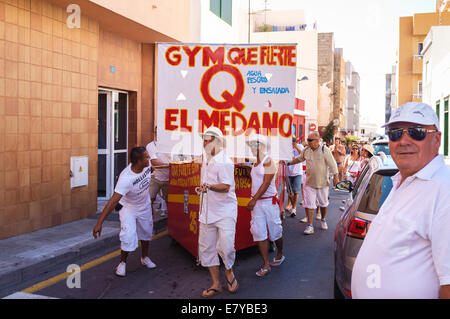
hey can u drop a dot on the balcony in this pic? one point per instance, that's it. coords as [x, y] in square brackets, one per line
[417, 64]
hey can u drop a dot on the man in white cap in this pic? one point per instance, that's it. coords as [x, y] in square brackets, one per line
[218, 212]
[266, 222]
[406, 252]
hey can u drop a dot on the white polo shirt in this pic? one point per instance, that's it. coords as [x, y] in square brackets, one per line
[219, 170]
[161, 174]
[406, 253]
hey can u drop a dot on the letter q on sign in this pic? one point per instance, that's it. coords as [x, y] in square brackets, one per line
[74, 19]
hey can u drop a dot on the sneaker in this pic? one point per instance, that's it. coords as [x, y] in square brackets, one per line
[121, 269]
[293, 212]
[147, 263]
[309, 230]
[323, 224]
[304, 220]
[318, 215]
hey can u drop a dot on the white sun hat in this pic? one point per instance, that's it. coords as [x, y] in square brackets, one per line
[213, 131]
[414, 112]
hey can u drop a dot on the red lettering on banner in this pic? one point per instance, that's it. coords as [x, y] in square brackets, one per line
[206, 120]
[241, 131]
[216, 57]
[253, 124]
[230, 100]
[262, 55]
[291, 55]
[184, 127]
[169, 118]
[252, 56]
[191, 54]
[224, 122]
[177, 57]
[237, 58]
[281, 125]
[270, 124]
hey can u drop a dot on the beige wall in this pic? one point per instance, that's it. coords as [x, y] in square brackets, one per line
[48, 112]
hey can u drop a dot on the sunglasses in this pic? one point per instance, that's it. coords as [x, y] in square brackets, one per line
[355, 149]
[311, 140]
[416, 133]
[253, 144]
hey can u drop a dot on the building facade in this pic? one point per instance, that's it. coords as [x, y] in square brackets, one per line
[436, 79]
[74, 82]
[412, 32]
[353, 100]
[325, 60]
[339, 89]
[307, 75]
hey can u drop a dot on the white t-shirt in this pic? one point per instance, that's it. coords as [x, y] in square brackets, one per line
[297, 169]
[406, 252]
[161, 174]
[134, 189]
[219, 170]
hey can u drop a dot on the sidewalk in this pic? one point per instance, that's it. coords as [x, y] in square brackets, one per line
[29, 256]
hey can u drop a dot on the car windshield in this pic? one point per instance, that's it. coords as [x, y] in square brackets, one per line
[376, 192]
[381, 148]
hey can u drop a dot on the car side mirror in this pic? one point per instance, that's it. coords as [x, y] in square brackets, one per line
[344, 186]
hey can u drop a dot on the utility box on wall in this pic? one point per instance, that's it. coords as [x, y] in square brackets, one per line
[79, 174]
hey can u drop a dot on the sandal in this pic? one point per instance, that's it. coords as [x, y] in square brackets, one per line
[262, 272]
[214, 292]
[277, 262]
[230, 284]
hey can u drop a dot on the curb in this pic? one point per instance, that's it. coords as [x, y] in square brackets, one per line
[24, 274]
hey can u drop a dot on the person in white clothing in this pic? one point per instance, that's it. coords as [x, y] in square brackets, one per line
[136, 222]
[218, 212]
[295, 175]
[265, 223]
[352, 164]
[159, 182]
[406, 252]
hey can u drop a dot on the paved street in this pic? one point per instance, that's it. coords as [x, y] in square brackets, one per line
[306, 273]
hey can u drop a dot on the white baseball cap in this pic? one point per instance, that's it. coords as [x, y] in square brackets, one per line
[258, 138]
[414, 112]
[213, 131]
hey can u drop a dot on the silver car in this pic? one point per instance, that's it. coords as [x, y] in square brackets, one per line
[365, 199]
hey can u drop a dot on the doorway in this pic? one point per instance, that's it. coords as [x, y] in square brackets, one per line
[112, 139]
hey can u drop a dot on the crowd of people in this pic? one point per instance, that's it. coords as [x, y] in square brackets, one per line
[308, 173]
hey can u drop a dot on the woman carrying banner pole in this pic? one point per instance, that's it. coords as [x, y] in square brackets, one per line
[264, 206]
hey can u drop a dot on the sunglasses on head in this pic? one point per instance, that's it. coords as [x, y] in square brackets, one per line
[416, 133]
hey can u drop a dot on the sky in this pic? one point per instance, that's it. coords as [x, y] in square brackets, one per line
[368, 33]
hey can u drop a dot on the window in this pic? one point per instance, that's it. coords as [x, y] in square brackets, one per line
[438, 110]
[361, 177]
[222, 9]
[420, 47]
[376, 192]
[419, 87]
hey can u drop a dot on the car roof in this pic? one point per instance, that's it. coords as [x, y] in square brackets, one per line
[381, 142]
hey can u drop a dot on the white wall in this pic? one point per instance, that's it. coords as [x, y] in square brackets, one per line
[436, 77]
[306, 65]
[280, 17]
[209, 28]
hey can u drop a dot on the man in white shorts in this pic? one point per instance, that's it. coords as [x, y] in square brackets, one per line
[136, 222]
[265, 223]
[319, 161]
[218, 212]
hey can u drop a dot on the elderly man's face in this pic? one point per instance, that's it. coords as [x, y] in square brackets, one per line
[411, 155]
[313, 141]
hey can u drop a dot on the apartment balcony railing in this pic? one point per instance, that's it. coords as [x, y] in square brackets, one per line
[417, 97]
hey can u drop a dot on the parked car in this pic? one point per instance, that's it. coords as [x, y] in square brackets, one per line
[365, 199]
[381, 146]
